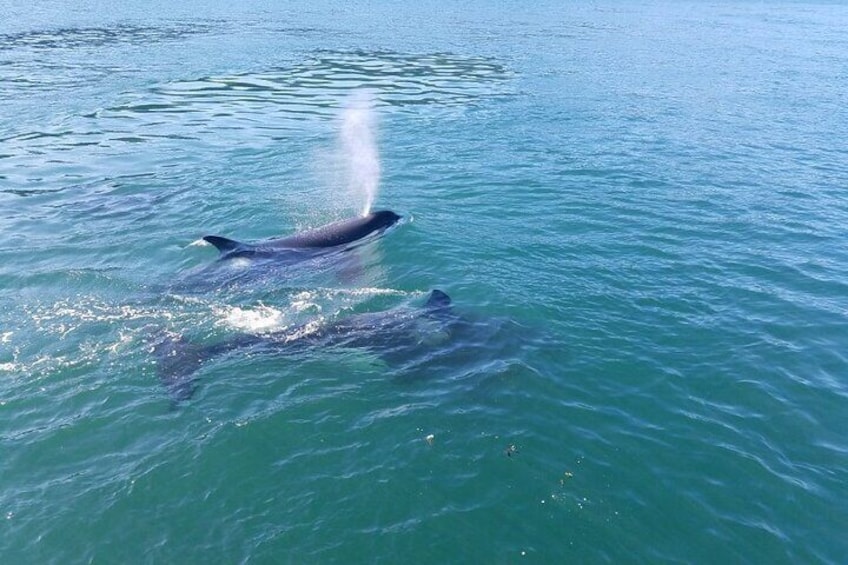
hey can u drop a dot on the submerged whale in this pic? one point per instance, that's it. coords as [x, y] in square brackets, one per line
[331, 237]
[392, 334]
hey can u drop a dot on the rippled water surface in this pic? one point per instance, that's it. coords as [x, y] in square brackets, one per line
[638, 210]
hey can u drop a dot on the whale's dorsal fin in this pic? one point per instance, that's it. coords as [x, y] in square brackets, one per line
[223, 244]
[438, 300]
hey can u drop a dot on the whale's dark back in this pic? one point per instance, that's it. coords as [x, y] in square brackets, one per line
[341, 232]
[306, 245]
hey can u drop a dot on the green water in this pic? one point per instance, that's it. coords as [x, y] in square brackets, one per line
[639, 211]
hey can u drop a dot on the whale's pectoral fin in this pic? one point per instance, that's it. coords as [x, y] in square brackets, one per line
[223, 244]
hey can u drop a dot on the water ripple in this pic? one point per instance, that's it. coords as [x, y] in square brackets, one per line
[315, 87]
[85, 37]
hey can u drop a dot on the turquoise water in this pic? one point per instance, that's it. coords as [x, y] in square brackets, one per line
[639, 210]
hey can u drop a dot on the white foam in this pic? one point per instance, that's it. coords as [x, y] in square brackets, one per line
[239, 263]
[124, 338]
[305, 300]
[306, 329]
[260, 319]
[375, 291]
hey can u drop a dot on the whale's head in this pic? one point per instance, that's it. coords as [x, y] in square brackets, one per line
[384, 218]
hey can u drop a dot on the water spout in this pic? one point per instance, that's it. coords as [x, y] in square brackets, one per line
[359, 147]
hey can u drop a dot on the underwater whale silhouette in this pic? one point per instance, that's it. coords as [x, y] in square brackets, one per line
[388, 333]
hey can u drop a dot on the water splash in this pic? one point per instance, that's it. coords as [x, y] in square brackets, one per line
[254, 320]
[359, 146]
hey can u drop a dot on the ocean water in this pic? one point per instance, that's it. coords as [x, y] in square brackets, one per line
[639, 209]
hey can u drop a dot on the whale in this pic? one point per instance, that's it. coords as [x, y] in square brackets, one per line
[392, 334]
[335, 236]
[248, 264]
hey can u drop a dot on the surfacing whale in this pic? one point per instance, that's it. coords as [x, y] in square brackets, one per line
[392, 334]
[246, 264]
[335, 236]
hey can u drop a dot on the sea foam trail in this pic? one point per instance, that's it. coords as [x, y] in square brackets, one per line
[358, 142]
